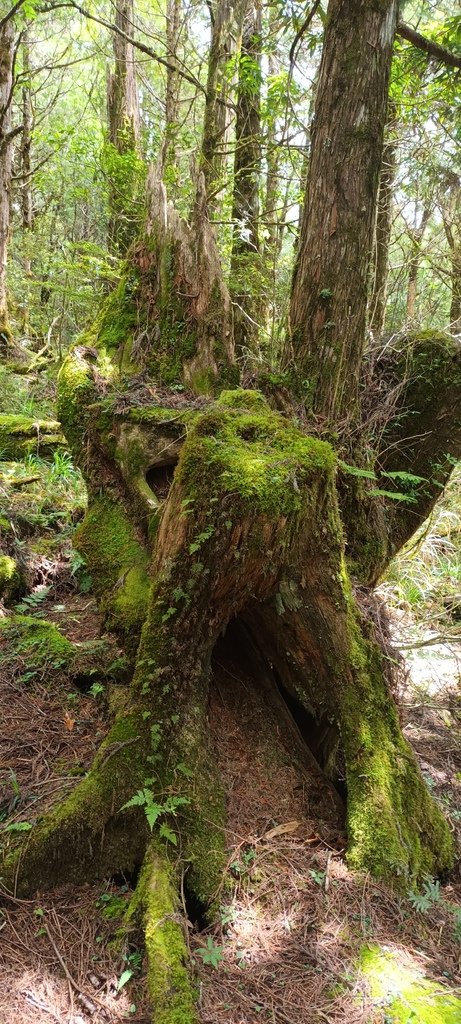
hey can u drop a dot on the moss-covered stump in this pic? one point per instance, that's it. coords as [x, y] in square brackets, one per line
[242, 521]
[22, 435]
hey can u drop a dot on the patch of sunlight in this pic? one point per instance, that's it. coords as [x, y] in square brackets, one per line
[398, 986]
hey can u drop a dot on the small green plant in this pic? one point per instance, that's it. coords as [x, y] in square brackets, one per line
[211, 953]
[226, 915]
[29, 604]
[317, 876]
[427, 898]
[112, 905]
[18, 826]
[154, 810]
[96, 689]
[200, 540]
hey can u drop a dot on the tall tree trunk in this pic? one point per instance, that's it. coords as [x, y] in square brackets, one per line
[224, 32]
[383, 231]
[451, 214]
[123, 117]
[416, 240]
[330, 284]
[455, 305]
[6, 156]
[173, 81]
[26, 143]
[245, 273]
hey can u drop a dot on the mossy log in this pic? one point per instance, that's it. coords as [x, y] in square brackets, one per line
[22, 435]
[199, 516]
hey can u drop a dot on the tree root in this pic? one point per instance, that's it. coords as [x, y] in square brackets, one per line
[155, 900]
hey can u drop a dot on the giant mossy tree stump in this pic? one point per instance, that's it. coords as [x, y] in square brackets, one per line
[198, 516]
[203, 511]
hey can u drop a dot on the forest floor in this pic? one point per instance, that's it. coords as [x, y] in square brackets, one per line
[299, 937]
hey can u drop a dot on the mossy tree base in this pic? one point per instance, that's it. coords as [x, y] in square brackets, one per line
[246, 525]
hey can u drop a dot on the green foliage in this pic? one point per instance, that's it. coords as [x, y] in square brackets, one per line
[154, 809]
[211, 953]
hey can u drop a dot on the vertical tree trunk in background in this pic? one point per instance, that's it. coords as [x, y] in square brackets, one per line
[224, 30]
[455, 307]
[416, 238]
[383, 230]
[271, 215]
[452, 224]
[168, 153]
[330, 284]
[245, 262]
[6, 87]
[26, 142]
[123, 117]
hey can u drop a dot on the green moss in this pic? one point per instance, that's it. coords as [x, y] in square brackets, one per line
[243, 399]
[84, 834]
[395, 828]
[22, 435]
[118, 563]
[40, 643]
[75, 391]
[241, 447]
[170, 987]
[405, 991]
[112, 331]
[10, 578]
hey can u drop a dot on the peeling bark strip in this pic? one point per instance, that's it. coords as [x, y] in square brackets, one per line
[188, 289]
[330, 284]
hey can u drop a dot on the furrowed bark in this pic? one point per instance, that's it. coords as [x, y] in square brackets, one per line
[330, 283]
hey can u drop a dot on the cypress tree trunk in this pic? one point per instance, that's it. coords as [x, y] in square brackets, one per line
[245, 274]
[455, 305]
[378, 298]
[124, 130]
[224, 31]
[416, 240]
[6, 88]
[451, 221]
[330, 284]
[26, 143]
[173, 81]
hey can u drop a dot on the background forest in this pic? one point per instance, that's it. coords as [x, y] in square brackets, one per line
[99, 103]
